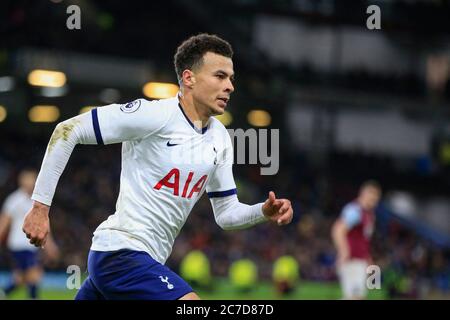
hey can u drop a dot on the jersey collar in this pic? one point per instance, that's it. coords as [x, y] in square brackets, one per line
[200, 131]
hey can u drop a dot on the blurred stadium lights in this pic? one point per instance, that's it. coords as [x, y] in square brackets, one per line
[259, 118]
[86, 109]
[160, 90]
[86, 69]
[47, 78]
[109, 95]
[6, 83]
[226, 118]
[3, 113]
[51, 92]
[402, 203]
[43, 113]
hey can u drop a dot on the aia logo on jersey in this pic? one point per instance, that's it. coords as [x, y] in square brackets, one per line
[172, 181]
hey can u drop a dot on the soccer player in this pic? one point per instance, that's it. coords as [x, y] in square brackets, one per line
[351, 234]
[172, 150]
[26, 264]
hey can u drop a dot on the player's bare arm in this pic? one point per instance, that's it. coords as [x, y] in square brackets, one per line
[339, 236]
[5, 221]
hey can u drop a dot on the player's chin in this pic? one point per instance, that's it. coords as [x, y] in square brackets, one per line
[217, 110]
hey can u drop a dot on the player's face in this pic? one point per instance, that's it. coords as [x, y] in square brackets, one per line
[369, 197]
[213, 83]
[27, 180]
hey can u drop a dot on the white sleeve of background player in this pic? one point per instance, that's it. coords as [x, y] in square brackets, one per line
[9, 206]
[229, 213]
[109, 124]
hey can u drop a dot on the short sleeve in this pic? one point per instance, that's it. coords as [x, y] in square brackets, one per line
[351, 214]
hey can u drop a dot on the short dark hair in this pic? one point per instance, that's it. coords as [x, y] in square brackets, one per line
[190, 53]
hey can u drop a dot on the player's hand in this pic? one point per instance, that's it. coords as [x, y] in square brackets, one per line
[36, 224]
[278, 210]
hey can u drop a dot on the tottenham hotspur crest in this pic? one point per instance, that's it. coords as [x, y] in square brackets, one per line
[166, 280]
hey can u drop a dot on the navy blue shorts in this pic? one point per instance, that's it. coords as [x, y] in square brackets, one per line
[24, 259]
[130, 275]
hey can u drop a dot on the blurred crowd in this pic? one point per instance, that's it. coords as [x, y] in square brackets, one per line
[86, 195]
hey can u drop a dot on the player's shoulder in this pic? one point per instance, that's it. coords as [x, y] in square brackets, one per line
[352, 207]
[164, 105]
[217, 127]
[146, 112]
[219, 132]
[220, 135]
[14, 197]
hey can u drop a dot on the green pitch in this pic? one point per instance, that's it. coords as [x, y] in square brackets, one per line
[224, 291]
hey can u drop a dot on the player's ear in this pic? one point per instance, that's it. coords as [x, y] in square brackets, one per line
[188, 78]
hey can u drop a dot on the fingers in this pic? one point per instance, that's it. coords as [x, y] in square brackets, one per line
[272, 197]
[269, 203]
[41, 239]
[280, 210]
[286, 213]
[286, 218]
[273, 201]
[37, 239]
[284, 206]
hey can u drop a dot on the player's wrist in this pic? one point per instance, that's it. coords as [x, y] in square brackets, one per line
[40, 206]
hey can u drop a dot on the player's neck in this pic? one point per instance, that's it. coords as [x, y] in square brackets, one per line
[28, 192]
[363, 205]
[193, 112]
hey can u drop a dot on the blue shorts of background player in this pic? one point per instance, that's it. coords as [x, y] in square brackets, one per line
[25, 259]
[130, 275]
[27, 270]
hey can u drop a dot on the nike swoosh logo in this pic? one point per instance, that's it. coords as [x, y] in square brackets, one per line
[171, 144]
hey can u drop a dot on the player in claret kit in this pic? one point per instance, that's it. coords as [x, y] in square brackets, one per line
[351, 234]
[172, 150]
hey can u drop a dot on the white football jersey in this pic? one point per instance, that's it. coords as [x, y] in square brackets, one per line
[167, 163]
[16, 205]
